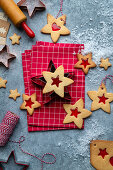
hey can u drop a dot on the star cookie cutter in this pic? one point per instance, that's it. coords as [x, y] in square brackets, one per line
[26, 165]
[41, 82]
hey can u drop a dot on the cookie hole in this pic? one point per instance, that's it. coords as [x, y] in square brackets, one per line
[56, 81]
[61, 19]
[95, 145]
[29, 103]
[55, 27]
[85, 63]
[75, 112]
[102, 99]
[103, 153]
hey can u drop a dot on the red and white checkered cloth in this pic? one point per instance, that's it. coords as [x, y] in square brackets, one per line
[50, 116]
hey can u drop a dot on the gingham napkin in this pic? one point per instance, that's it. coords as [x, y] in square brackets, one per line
[51, 115]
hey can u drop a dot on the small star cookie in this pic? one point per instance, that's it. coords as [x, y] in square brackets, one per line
[76, 113]
[55, 27]
[2, 83]
[14, 94]
[101, 99]
[85, 62]
[105, 63]
[15, 39]
[101, 154]
[56, 81]
[30, 103]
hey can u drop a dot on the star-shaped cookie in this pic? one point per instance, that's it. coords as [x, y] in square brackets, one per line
[14, 94]
[30, 103]
[101, 99]
[2, 83]
[85, 62]
[32, 7]
[56, 81]
[101, 154]
[76, 113]
[5, 56]
[105, 63]
[40, 81]
[15, 39]
[55, 27]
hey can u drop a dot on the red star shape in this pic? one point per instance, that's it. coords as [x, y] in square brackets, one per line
[102, 99]
[56, 81]
[75, 112]
[29, 103]
[103, 153]
[13, 154]
[85, 63]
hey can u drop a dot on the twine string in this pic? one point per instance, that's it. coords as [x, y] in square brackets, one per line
[109, 76]
[22, 139]
[60, 10]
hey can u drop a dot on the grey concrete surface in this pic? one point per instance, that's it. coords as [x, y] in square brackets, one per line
[91, 23]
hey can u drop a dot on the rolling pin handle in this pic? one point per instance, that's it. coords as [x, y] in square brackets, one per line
[28, 31]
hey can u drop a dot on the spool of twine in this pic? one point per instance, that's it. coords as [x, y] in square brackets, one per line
[7, 127]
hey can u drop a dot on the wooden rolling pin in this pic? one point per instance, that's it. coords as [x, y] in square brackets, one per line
[16, 15]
